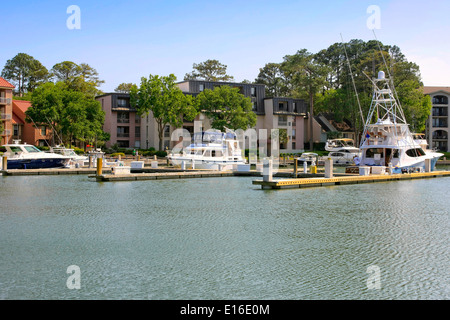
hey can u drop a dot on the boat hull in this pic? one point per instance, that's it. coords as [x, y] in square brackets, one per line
[47, 163]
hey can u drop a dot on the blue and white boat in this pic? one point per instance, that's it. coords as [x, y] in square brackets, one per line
[388, 141]
[26, 156]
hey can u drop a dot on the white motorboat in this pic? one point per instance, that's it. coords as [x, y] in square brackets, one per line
[210, 150]
[26, 156]
[342, 151]
[75, 159]
[388, 142]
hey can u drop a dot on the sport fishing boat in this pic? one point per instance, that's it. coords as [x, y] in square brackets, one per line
[387, 141]
[210, 150]
[25, 156]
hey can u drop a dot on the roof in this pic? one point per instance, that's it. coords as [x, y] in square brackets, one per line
[19, 107]
[5, 84]
[429, 90]
[23, 105]
[16, 119]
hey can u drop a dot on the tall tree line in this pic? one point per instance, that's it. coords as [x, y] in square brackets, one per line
[62, 98]
[324, 80]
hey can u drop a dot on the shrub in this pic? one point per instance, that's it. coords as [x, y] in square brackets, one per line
[116, 154]
[161, 154]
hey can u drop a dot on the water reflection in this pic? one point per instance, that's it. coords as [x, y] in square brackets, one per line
[222, 239]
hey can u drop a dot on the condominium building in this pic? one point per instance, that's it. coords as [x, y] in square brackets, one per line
[437, 129]
[128, 130]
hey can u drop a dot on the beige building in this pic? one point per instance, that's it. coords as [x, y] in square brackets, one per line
[437, 130]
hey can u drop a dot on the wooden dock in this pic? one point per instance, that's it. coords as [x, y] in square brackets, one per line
[343, 180]
[161, 175]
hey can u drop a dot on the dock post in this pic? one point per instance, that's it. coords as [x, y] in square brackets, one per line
[295, 167]
[427, 165]
[90, 161]
[183, 165]
[267, 170]
[305, 166]
[5, 163]
[328, 168]
[99, 166]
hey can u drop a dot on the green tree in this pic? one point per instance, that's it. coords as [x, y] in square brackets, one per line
[124, 87]
[81, 77]
[70, 114]
[168, 104]
[209, 70]
[226, 107]
[25, 72]
[272, 76]
[308, 76]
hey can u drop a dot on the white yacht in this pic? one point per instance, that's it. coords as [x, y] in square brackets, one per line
[26, 156]
[210, 150]
[388, 141]
[342, 150]
[75, 159]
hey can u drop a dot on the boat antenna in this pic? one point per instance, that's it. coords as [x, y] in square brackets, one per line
[55, 131]
[353, 80]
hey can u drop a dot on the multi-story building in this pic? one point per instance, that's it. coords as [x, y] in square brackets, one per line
[128, 130]
[121, 121]
[6, 95]
[437, 126]
[28, 132]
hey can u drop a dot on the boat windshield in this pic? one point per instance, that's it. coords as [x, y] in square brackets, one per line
[32, 149]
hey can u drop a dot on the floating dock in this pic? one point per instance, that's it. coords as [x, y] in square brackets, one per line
[161, 175]
[343, 180]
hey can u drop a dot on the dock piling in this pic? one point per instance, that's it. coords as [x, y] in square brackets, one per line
[5, 163]
[99, 166]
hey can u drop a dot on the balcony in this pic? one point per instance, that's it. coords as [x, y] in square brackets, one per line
[5, 116]
[6, 133]
[5, 100]
[123, 120]
[123, 135]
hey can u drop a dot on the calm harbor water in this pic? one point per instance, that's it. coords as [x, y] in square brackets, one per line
[223, 238]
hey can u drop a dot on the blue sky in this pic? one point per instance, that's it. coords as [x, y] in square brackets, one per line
[125, 40]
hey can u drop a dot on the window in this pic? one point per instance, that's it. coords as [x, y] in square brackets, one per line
[282, 106]
[294, 107]
[254, 106]
[253, 91]
[43, 130]
[123, 132]
[282, 120]
[440, 100]
[166, 132]
[201, 87]
[137, 118]
[137, 132]
[123, 144]
[123, 117]
[16, 130]
[417, 152]
[122, 103]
